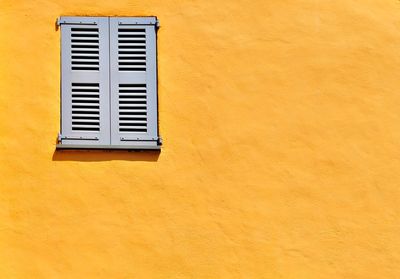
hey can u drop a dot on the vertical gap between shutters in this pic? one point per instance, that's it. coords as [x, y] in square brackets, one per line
[109, 74]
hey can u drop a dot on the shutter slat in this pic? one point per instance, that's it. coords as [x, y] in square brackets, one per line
[138, 121]
[85, 55]
[85, 126]
[123, 39]
[133, 110]
[131, 33]
[124, 43]
[139, 98]
[76, 38]
[122, 106]
[87, 60]
[85, 105]
[85, 120]
[86, 109]
[77, 49]
[141, 67]
[131, 55]
[85, 99]
[84, 88]
[84, 115]
[132, 60]
[133, 127]
[84, 44]
[127, 94]
[94, 32]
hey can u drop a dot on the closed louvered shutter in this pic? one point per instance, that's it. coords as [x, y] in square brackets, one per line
[84, 81]
[133, 81]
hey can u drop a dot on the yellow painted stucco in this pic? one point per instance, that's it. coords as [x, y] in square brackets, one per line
[281, 155]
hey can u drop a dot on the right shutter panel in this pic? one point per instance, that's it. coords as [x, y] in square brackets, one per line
[84, 82]
[133, 82]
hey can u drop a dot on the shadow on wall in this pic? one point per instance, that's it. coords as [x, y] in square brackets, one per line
[105, 155]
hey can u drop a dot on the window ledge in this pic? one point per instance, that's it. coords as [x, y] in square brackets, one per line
[108, 147]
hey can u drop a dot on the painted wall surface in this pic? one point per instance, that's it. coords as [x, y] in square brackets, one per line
[281, 123]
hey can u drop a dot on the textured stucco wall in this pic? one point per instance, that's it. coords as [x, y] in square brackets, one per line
[281, 122]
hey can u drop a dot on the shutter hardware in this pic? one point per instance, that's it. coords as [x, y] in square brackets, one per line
[61, 20]
[159, 140]
[61, 137]
[156, 23]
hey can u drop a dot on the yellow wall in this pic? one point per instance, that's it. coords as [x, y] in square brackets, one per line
[281, 122]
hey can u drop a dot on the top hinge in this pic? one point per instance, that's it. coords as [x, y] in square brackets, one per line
[145, 20]
[77, 20]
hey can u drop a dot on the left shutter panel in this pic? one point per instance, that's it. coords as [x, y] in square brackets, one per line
[85, 97]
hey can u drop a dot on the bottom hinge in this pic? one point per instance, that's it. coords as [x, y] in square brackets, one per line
[158, 139]
[61, 137]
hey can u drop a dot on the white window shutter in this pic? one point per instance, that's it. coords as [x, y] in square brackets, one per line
[85, 98]
[133, 81]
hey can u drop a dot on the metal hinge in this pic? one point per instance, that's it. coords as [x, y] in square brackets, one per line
[61, 137]
[140, 21]
[74, 21]
[158, 139]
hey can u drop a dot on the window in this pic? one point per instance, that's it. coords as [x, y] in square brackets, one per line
[109, 83]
